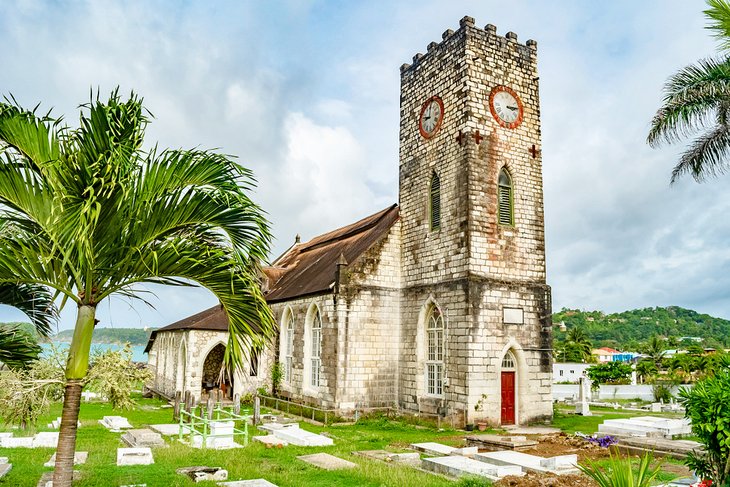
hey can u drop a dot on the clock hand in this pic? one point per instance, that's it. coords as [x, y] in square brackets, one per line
[512, 108]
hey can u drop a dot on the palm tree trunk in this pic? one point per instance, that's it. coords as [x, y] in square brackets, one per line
[76, 368]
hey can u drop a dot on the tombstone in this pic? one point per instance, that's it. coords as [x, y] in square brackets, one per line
[45, 440]
[176, 407]
[134, 456]
[656, 407]
[201, 474]
[327, 461]
[256, 410]
[236, 403]
[80, 458]
[210, 407]
[140, 438]
[115, 423]
[582, 406]
[5, 467]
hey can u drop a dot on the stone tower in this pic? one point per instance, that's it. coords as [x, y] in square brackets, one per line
[475, 310]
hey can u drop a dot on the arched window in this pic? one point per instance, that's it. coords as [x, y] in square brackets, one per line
[435, 352]
[316, 348]
[288, 346]
[504, 195]
[435, 202]
[508, 362]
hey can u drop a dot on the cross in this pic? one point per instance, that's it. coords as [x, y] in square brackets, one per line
[533, 151]
[477, 137]
[460, 138]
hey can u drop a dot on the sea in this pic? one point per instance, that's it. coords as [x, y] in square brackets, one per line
[138, 354]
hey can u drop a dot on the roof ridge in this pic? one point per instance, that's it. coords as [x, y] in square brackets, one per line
[357, 228]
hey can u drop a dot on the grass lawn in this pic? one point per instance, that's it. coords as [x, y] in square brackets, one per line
[279, 466]
[572, 423]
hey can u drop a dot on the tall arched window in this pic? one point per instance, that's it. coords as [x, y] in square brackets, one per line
[435, 202]
[316, 349]
[286, 345]
[435, 352]
[508, 362]
[506, 213]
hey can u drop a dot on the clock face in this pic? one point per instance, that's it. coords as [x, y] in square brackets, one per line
[506, 107]
[432, 114]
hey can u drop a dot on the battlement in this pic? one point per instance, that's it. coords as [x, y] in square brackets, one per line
[468, 28]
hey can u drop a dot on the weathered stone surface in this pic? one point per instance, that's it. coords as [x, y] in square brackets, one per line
[170, 429]
[201, 474]
[499, 442]
[270, 440]
[560, 465]
[80, 458]
[134, 456]
[300, 437]
[410, 458]
[5, 468]
[7, 440]
[139, 438]
[115, 423]
[327, 461]
[458, 466]
[646, 426]
[45, 440]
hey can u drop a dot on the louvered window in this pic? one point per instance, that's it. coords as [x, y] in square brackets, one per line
[435, 202]
[506, 216]
[288, 348]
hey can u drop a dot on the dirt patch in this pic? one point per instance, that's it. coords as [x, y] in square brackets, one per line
[545, 480]
[562, 444]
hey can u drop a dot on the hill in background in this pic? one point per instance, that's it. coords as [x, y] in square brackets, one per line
[626, 329]
[134, 336]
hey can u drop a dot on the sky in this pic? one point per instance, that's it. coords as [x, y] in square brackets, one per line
[306, 94]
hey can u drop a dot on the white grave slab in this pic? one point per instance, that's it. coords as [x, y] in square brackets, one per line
[11, 442]
[327, 461]
[5, 468]
[115, 423]
[458, 466]
[80, 458]
[433, 448]
[270, 440]
[248, 483]
[134, 456]
[560, 465]
[646, 426]
[220, 438]
[300, 437]
[170, 429]
[45, 440]
[271, 427]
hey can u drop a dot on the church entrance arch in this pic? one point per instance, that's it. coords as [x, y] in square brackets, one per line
[508, 383]
[212, 379]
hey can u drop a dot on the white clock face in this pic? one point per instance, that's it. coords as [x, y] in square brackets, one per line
[432, 114]
[506, 106]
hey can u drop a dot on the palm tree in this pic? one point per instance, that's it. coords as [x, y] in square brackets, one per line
[16, 347]
[646, 369]
[90, 214]
[577, 345]
[697, 100]
[655, 349]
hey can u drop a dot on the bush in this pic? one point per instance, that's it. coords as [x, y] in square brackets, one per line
[620, 472]
[662, 392]
[609, 373]
[707, 406]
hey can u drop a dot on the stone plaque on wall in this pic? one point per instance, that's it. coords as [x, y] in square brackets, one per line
[513, 316]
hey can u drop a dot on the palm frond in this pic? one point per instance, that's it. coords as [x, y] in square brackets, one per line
[17, 349]
[718, 14]
[692, 97]
[35, 301]
[706, 156]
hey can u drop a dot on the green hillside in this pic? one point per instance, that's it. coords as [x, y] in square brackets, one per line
[134, 336]
[625, 330]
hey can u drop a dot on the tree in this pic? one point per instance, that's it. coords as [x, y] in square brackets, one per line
[89, 213]
[17, 348]
[609, 373]
[576, 347]
[113, 374]
[697, 100]
[646, 369]
[655, 349]
[707, 406]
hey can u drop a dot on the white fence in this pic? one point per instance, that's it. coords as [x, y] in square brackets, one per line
[644, 392]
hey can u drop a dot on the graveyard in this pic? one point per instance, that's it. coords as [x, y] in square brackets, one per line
[144, 446]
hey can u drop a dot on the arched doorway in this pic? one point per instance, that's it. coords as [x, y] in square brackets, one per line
[508, 383]
[211, 377]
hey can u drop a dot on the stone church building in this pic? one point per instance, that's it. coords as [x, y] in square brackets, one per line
[436, 305]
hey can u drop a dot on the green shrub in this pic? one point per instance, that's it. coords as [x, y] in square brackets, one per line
[620, 472]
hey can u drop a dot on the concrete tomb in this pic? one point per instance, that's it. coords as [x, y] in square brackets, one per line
[560, 465]
[327, 461]
[134, 456]
[5, 467]
[40, 440]
[291, 433]
[201, 474]
[45, 440]
[409, 458]
[142, 437]
[80, 458]
[115, 423]
[220, 437]
[499, 442]
[170, 429]
[433, 448]
[270, 441]
[650, 426]
[458, 466]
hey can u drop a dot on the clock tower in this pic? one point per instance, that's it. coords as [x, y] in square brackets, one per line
[475, 307]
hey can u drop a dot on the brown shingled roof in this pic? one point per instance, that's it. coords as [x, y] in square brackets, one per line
[309, 268]
[211, 319]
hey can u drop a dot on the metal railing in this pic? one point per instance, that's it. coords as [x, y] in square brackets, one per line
[200, 425]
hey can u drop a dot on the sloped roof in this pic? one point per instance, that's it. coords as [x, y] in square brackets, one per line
[309, 268]
[306, 268]
[211, 319]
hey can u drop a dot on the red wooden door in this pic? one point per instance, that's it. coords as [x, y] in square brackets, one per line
[508, 398]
